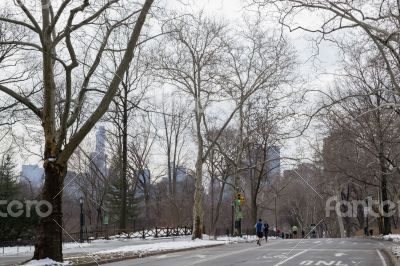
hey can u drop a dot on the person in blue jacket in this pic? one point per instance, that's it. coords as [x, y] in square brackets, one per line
[259, 231]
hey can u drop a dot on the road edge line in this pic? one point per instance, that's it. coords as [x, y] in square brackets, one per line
[392, 260]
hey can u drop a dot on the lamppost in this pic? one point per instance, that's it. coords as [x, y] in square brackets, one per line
[276, 221]
[81, 221]
[233, 218]
[366, 211]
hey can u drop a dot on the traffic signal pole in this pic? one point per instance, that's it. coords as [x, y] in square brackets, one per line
[237, 202]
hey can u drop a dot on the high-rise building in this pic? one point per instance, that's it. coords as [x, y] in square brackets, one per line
[33, 174]
[99, 158]
[274, 161]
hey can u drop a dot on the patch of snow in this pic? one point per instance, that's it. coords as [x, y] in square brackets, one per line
[164, 246]
[46, 262]
[392, 237]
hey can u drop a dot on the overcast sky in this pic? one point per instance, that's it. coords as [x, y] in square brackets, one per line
[231, 11]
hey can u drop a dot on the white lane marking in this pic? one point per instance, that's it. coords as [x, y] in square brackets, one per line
[284, 261]
[382, 258]
[340, 254]
[322, 249]
[223, 255]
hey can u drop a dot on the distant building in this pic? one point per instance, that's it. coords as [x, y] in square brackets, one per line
[274, 161]
[98, 158]
[33, 174]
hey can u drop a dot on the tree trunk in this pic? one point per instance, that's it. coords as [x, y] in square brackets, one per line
[254, 208]
[124, 182]
[198, 208]
[49, 230]
[387, 228]
[217, 210]
[340, 219]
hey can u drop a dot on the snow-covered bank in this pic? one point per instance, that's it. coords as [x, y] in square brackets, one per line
[395, 238]
[46, 262]
[132, 251]
[165, 246]
[117, 249]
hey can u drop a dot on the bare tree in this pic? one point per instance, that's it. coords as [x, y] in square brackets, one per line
[175, 122]
[63, 89]
[375, 24]
[262, 62]
[139, 155]
[197, 40]
[366, 124]
[130, 94]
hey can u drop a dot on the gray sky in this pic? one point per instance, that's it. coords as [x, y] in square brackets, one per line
[232, 11]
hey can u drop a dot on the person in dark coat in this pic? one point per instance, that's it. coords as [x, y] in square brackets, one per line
[266, 229]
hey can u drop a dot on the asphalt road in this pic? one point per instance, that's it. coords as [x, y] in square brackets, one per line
[337, 252]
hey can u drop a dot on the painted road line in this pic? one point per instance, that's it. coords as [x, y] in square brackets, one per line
[382, 258]
[224, 255]
[292, 257]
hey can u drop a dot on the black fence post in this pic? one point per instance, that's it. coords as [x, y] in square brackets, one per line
[167, 232]
[156, 232]
[143, 234]
[185, 231]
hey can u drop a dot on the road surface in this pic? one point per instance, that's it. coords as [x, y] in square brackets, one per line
[337, 252]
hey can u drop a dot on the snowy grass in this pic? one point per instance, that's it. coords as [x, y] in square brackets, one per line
[73, 245]
[164, 246]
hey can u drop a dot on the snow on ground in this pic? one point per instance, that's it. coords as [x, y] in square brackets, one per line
[392, 237]
[45, 262]
[94, 244]
[396, 251]
[164, 246]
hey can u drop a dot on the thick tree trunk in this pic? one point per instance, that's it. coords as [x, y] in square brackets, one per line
[198, 208]
[340, 219]
[49, 231]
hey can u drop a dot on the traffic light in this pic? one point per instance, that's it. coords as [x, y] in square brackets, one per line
[239, 199]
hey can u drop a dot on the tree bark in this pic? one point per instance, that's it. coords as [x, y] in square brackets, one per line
[198, 183]
[124, 182]
[49, 231]
[58, 151]
[340, 219]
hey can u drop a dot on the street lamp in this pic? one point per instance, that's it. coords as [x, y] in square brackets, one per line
[81, 221]
[366, 211]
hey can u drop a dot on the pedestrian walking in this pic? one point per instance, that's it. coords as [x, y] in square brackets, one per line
[266, 231]
[294, 230]
[259, 231]
[303, 234]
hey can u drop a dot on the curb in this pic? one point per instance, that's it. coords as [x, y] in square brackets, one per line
[141, 255]
[393, 261]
